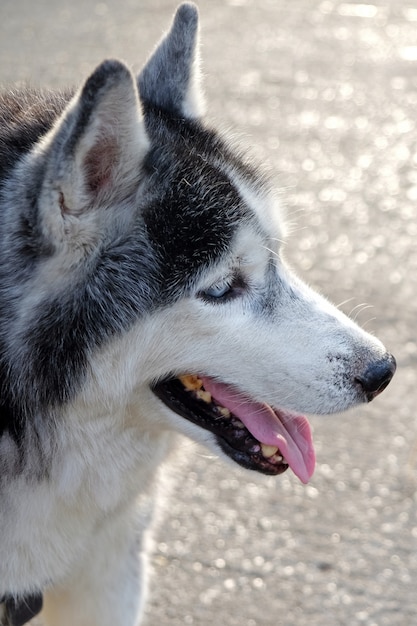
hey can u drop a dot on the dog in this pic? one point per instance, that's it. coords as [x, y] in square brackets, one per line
[142, 294]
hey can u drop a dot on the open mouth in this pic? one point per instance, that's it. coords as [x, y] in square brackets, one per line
[255, 435]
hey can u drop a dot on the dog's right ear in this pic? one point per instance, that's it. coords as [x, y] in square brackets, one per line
[170, 80]
[93, 155]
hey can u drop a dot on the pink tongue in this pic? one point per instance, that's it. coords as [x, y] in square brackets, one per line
[287, 431]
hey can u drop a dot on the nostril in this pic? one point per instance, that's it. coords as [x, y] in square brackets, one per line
[377, 376]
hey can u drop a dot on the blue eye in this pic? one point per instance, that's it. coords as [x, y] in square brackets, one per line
[224, 290]
[218, 291]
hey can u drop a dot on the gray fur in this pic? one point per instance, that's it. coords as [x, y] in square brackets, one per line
[135, 247]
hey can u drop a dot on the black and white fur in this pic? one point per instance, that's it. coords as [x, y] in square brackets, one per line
[135, 244]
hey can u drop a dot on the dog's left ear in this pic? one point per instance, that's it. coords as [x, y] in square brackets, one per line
[96, 149]
[170, 79]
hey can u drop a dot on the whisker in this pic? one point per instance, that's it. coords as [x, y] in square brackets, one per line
[273, 252]
[338, 306]
[359, 308]
[371, 319]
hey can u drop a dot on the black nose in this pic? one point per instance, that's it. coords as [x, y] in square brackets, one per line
[377, 376]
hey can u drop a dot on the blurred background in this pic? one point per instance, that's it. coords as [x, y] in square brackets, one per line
[326, 93]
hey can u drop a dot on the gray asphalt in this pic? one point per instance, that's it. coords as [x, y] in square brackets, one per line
[327, 93]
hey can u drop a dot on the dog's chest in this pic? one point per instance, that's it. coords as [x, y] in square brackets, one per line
[96, 474]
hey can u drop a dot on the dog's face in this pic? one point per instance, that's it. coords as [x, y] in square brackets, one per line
[151, 268]
[263, 346]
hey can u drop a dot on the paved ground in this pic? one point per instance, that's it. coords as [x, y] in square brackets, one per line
[328, 92]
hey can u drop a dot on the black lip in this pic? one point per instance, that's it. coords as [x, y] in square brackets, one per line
[233, 438]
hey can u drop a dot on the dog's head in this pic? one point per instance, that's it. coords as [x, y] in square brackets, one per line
[149, 260]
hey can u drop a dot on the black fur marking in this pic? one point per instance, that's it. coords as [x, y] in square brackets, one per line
[9, 420]
[190, 224]
[69, 327]
[188, 231]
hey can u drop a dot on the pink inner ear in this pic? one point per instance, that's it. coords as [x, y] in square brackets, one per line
[100, 164]
[62, 204]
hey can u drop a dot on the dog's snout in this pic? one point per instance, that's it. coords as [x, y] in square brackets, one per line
[377, 376]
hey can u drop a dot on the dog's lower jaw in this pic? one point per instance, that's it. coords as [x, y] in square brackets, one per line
[252, 434]
[230, 434]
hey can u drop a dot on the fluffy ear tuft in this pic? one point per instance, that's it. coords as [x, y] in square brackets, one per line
[170, 79]
[96, 148]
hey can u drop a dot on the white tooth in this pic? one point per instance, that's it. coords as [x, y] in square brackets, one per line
[225, 412]
[268, 451]
[191, 382]
[203, 395]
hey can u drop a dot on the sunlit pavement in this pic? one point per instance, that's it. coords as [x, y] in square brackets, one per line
[326, 93]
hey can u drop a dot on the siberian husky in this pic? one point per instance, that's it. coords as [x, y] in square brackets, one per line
[142, 294]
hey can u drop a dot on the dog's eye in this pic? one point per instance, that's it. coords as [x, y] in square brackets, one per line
[224, 290]
[218, 291]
